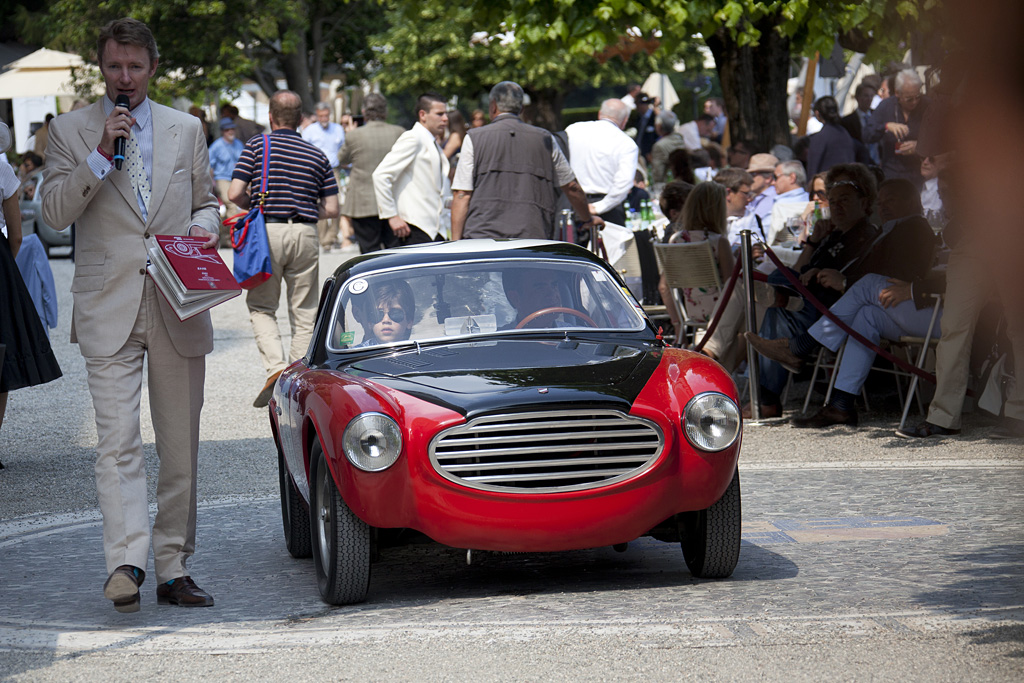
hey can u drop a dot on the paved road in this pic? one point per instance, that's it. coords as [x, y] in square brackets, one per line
[864, 557]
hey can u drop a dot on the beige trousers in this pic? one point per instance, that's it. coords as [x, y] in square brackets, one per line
[725, 343]
[295, 259]
[968, 289]
[230, 209]
[327, 229]
[176, 399]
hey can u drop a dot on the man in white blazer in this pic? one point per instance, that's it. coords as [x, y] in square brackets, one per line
[409, 181]
[163, 188]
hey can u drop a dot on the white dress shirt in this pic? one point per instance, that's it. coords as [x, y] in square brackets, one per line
[143, 133]
[604, 161]
[930, 199]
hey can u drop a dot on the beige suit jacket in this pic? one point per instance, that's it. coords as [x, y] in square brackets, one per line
[110, 235]
[364, 148]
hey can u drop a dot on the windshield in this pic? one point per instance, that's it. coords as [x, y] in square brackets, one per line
[468, 299]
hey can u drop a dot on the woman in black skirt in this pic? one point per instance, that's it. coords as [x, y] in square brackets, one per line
[24, 348]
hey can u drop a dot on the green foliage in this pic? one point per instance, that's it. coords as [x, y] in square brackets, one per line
[589, 26]
[209, 45]
[433, 45]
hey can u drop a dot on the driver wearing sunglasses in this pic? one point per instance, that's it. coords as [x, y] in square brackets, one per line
[387, 314]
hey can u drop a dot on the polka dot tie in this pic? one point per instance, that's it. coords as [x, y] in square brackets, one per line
[137, 171]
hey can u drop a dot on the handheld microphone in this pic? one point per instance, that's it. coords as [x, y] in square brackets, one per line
[119, 143]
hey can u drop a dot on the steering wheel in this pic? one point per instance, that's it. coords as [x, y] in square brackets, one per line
[554, 310]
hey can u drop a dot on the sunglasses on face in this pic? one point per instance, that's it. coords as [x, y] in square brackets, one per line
[397, 315]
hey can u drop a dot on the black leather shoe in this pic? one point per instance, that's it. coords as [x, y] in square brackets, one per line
[183, 592]
[826, 417]
[925, 430]
[122, 587]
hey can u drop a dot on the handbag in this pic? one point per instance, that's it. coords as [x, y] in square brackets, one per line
[252, 265]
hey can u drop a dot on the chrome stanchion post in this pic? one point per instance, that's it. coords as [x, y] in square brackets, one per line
[748, 283]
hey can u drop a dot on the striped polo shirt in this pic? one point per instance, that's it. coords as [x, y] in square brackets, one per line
[299, 175]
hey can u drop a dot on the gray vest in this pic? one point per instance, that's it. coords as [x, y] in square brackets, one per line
[513, 181]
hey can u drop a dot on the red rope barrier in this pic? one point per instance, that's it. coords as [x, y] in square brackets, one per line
[823, 309]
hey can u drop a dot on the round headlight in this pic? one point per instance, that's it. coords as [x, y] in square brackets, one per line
[372, 442]
[711, 421]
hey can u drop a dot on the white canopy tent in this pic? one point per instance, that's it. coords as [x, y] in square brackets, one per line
[44, 72]
[33, 83]
[659, 85]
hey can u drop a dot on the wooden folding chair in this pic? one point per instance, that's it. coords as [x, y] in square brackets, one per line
[684, 265]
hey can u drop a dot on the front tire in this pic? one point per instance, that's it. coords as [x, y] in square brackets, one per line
[711, 537]
[341, 541]
[294, 515]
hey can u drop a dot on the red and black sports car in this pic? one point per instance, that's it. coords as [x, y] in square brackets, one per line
[503, 395]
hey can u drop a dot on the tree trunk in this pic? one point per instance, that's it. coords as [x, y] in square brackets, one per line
[545, 108]
[754, 80]
[295, 65]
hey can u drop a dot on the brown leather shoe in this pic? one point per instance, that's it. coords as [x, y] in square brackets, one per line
[776, 350]
[183, 592]
[767, 410]
[122, 587]
[826, 417]
[266, 392]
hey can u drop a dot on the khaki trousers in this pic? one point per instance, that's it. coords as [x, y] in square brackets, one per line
[725, 343]
[176, 399]
[327, 229]
[968, 288]
[230, 209]
[295, 259]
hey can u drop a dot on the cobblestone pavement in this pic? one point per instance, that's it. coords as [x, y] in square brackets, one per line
[864, 557]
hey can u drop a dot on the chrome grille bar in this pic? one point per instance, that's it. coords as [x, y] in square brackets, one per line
[513, 452]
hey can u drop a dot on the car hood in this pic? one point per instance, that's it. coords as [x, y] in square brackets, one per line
[508, 374]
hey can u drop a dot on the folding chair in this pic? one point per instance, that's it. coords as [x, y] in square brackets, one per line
[824, 362]
[929, 340]
[631, 270]
[684, 265]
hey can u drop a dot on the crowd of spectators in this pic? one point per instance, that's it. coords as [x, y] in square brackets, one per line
[858, 206]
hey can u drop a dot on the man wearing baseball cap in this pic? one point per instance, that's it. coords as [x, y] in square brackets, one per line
[224, 153]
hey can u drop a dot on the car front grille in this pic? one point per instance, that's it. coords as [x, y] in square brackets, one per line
[547, 451]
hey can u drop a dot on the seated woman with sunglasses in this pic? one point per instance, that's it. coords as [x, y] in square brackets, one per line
[387, 314]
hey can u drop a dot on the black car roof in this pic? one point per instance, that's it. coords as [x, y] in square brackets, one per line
[441, 252]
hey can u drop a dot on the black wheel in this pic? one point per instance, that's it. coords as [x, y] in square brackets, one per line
[341, 541]
[711, 537]
[294, 514]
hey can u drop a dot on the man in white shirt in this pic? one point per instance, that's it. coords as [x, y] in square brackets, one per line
[791, 198]
[762, 198]
[930, 199]
[409, 181]
[328, 137]
[604, 160]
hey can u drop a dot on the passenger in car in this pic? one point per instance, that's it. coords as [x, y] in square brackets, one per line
[386, 312]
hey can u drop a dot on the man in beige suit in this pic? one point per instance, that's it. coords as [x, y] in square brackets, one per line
[119, 318]
[364, 148]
